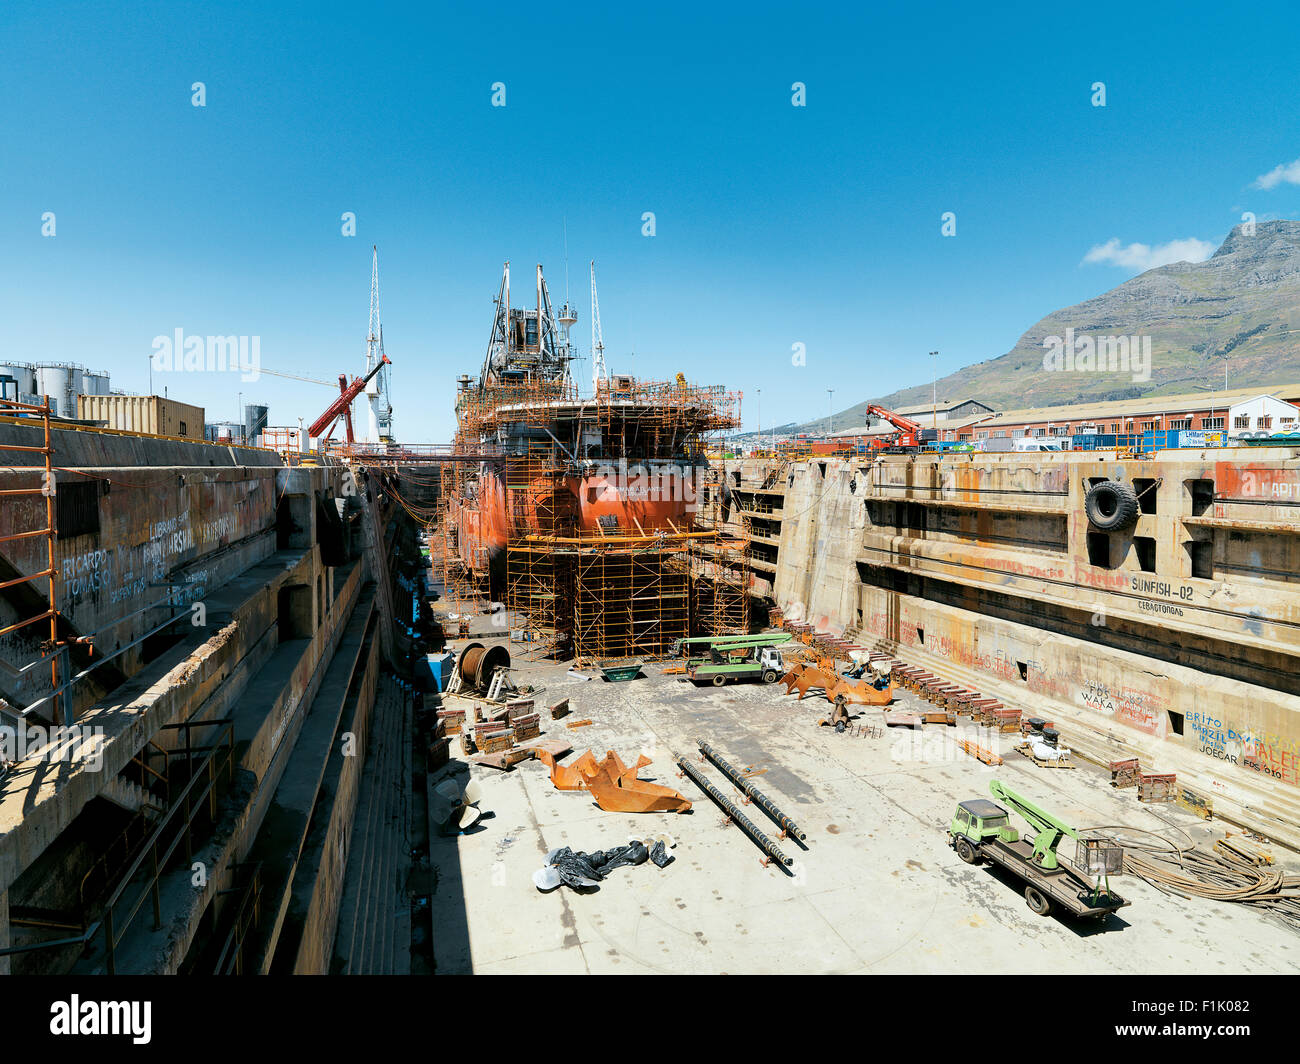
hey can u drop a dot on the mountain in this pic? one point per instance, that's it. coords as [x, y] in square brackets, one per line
[1240, 306]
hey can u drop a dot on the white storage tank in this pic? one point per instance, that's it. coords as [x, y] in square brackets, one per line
[95, 382]
[62, 382]
[23, 372]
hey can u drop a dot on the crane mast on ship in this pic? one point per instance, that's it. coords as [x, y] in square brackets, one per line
[528, 344]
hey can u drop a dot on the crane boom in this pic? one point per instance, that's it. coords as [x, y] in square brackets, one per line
[294, 377]
[342, 406]
[1049, 830]
[909, 431]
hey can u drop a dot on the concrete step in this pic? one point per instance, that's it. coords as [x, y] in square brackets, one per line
[131, 796]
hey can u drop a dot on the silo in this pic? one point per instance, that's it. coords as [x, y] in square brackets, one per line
[228, 432]
[62, 382]
[95, 382]
[22, 372]
[254, 422]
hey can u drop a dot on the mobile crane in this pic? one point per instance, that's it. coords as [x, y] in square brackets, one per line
[981, 830]
[909, 431]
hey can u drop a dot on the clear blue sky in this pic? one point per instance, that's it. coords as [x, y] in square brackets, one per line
[775, 224]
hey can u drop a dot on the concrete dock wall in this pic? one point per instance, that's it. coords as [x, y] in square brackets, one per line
[983, 566]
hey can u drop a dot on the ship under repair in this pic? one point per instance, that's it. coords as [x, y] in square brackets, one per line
[581, 513]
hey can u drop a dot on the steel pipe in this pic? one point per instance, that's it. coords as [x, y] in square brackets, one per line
[729, 807]
[756, 796]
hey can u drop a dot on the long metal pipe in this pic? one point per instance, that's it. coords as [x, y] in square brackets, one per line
[758, 797]
[729, 807]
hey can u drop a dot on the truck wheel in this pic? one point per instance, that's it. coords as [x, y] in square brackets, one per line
[719, 681]
[1038, 901]
[967, 852]
[769, 676]
[1111, 505]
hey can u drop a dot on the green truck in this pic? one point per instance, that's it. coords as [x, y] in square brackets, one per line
[700, 646]
[721, 667]
[981, 831]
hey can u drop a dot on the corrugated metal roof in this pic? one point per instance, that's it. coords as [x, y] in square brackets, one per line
[1153, 404]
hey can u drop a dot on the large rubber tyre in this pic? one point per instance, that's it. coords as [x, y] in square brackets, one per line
[719, 681]
[1111, 505]
[966, 851]
[769, 676]
[1038, 902]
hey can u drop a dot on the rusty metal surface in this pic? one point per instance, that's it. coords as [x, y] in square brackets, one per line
[805, 678]
[860, 693]
[568, 777]
[1157, 787]
[617, 789]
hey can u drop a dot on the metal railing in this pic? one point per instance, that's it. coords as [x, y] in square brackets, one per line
[247, 915]
[173, 828]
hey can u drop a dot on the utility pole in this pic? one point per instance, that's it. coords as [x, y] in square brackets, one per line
[934, 391]
[760, 417]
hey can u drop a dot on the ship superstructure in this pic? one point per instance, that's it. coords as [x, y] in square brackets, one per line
[580, 513]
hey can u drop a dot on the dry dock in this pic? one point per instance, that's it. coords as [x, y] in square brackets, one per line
[876, 890]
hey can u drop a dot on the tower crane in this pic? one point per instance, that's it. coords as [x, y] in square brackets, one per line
[381, 408]
[598, 371]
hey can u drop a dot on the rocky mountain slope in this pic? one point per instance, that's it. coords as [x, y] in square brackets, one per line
[1241, 305]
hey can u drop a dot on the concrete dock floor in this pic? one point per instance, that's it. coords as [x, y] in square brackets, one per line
[877, 889]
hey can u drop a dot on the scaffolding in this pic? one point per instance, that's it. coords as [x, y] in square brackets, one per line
[630, 602]
[51, 649]
[538, 584]
[601, 587]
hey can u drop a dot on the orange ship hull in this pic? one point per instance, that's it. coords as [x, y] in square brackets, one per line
[565, 506]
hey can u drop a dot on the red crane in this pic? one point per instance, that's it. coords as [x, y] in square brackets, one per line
[909, 431]
[342, 406]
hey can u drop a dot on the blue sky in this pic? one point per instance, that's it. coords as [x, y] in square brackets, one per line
[775, 225]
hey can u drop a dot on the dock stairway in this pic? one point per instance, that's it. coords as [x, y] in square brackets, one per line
[1260, 807]
[132, 797]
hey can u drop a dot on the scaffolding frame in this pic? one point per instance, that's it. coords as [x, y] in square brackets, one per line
[599, 593]
[53, 646]
[629, 602]
[538, 584]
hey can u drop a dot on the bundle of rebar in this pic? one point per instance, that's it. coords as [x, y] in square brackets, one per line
[1188, 871]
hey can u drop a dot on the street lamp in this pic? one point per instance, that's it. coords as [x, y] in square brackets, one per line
[934, 389]
[830, 404]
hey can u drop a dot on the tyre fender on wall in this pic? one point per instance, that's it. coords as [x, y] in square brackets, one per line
[1111, 505]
